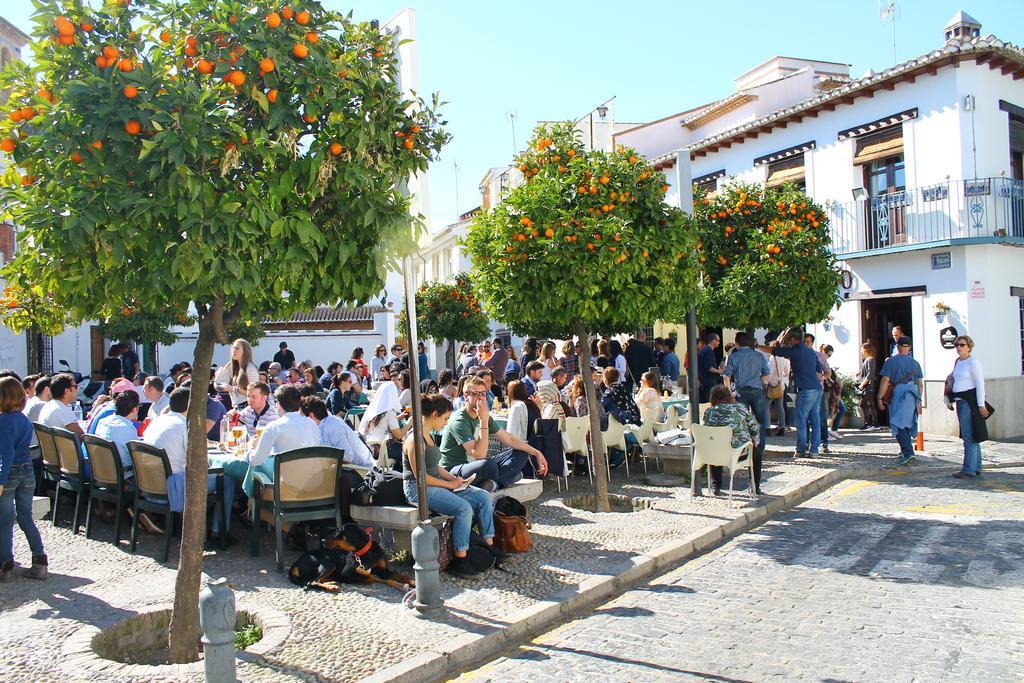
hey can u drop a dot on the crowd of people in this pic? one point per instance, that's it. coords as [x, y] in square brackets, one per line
[283, 405]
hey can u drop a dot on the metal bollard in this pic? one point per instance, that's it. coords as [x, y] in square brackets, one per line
[217, 618]
[425, 548]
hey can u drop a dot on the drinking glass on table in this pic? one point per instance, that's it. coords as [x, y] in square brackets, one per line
[256, 437]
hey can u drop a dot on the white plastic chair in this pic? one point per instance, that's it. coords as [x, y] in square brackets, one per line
[614, 437]
[644, 434]
[576, 430]
[713, 446]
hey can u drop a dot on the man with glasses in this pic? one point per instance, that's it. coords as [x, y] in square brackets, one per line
[58, 412]
[465, 440]
[907, 380]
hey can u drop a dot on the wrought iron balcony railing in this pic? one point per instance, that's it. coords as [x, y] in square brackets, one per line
[953, 210]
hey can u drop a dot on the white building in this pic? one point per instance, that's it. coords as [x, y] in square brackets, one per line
[920, 169]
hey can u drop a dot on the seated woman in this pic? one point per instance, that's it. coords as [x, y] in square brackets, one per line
[647, 398]
[442, 497]
[428, 387]
[522, 411]
[381, 421]
[405, 385]
[446, 384]
[338, 400]
[618, 400]
[726, 412]
[550, 399]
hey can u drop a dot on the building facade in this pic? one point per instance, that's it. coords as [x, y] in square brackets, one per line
[920, 169]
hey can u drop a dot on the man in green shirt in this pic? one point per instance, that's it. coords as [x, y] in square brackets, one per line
[464, 445]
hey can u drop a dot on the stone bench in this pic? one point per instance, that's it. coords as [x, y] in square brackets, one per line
[402, 519]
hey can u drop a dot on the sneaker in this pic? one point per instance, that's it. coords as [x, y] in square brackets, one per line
[906, 461]
[716, 491]
[7, 571]
[461, 568]
[834, 434]
[490, 486]
[824, 448]
[39, 569]
[798, 454]
[617, 458]
[960, 475]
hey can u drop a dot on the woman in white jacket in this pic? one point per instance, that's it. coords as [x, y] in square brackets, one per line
[969, 395]
[238, 374]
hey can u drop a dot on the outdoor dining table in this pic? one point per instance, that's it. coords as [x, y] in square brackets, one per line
[354, 415]
[217, 458]
[682, 403]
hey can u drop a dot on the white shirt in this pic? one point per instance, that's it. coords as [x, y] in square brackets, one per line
[620, 365]
[33, 407]
[779, 371]
[967, 375]
[170, 433]
[518, 417]
[335, 432]
[288, 432]
[119, 430]
[224, 377]
[157, 406]
[56, 414]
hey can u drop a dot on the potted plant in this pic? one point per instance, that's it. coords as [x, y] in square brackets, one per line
[827, 323]
[941, 311]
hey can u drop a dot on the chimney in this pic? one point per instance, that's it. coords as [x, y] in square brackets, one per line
[962, 27]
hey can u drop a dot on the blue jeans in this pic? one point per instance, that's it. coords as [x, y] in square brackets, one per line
[808, 417]
[905, 438]
[972, 449]
[463, 506]
[16, 503]
[757, 402]
[840, 411]
[504, 468]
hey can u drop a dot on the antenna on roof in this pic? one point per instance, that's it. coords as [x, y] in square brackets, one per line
[889, 10]
[511, 116]
[455, 164]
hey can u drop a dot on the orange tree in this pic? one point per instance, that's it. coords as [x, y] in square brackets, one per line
[585, 244]
[448, 311]
[235, 155]
[765, 258]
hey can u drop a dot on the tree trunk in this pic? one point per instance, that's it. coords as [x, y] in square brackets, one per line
[183, 634]
[596, 440]
[451, 355]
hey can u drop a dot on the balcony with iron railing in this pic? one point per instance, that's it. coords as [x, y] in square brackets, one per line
[966, 211]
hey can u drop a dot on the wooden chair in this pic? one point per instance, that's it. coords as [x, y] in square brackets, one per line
[713, 446]
[108, 481]
[51, 461]
[576, 429]
[152, 470]
[72, 473]
[304, 488]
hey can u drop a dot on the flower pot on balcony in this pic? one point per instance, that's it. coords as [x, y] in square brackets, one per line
[940, 316]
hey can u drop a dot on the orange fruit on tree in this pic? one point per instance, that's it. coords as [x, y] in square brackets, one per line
[64, 26]
[101, 62]
[15, 115]
[236, 78]
[125, 65]
[272, 96]
[8, 145]
[165, 36]
[302, 18]
[133, 127]
[308, 118]
[409, 143]
[336, 148]
[76, 157]
[45, 94]
[267, 65]
[549, 233]
[312, 38]
[130, 91]
[287, 12]
[86, 26]
[65, 40]
[111, 52]
[204, 66]
[273, 20]
[233, 19]
[190, 41]
[28, 113]
[300, 51]
[191, 51]
[96, 144]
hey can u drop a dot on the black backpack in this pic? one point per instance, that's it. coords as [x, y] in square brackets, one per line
[507, 505]
[380, 487]
[479, 554]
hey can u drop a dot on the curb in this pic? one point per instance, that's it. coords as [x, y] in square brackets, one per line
[463, 652]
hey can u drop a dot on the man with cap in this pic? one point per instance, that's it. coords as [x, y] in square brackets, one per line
[904, 375]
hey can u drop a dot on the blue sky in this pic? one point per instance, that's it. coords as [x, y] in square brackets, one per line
[550, 60]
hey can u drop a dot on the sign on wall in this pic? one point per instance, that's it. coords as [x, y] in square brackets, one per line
[947, 337]
[977, 290]
[941, 261]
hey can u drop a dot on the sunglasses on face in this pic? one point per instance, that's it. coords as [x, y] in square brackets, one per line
[476, 394]
[961, 343]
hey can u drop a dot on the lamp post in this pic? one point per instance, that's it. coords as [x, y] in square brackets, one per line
[425, 542]
[684, 191]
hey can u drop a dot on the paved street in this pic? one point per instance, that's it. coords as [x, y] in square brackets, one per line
[902, 578]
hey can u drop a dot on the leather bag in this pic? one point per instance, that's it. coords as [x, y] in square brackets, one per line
[512, 526]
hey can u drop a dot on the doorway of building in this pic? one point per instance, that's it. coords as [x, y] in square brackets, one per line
[878, 316]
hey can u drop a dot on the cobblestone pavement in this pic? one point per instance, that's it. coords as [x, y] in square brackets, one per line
[900, 578]
[351, 635]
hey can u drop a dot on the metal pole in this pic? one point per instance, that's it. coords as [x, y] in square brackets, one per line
[425, 543]
[684, 190]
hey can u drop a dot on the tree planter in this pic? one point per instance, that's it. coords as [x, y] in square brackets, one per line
[137, 646]
[618, 503]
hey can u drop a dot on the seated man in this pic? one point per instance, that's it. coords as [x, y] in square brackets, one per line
[464, 444]
[153, 389]
[290, 431]
[337, 433]
[259, 412]
[119, 428]
[170, 432]
[107, 408]
[58, 412]
[726, 412]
